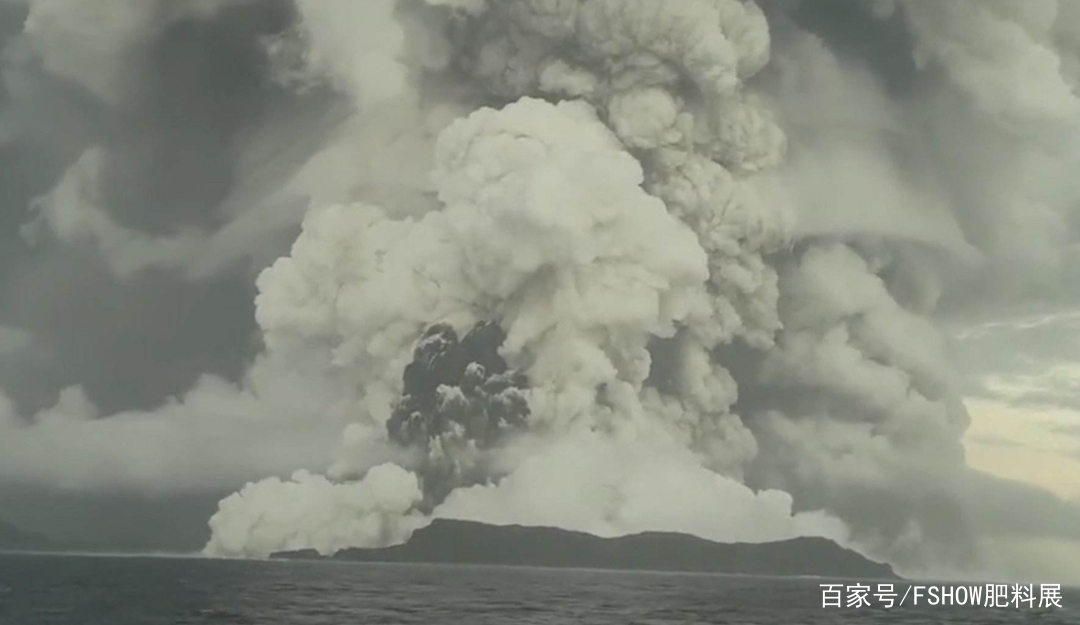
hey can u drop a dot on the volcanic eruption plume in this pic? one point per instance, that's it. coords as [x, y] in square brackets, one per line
[613, 265]
[600, 244]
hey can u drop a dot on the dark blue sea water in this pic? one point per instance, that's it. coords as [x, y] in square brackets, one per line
[55, 590]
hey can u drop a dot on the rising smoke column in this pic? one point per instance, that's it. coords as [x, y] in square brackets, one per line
[670, 81]
[666, 306]
[547, 229]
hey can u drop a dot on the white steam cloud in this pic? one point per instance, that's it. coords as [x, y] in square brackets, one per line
[546, 228]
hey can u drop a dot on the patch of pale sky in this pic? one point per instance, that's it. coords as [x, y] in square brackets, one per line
[1017, 439]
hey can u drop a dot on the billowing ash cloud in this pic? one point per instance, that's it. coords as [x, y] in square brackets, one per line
[586, 256]
[612, 265]
[458, 396]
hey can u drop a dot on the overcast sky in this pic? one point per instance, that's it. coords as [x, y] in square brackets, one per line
[819, 274]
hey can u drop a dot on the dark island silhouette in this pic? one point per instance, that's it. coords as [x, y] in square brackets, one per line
[466, 542]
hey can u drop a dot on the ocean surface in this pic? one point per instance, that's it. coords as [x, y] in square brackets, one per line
[83, 590]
